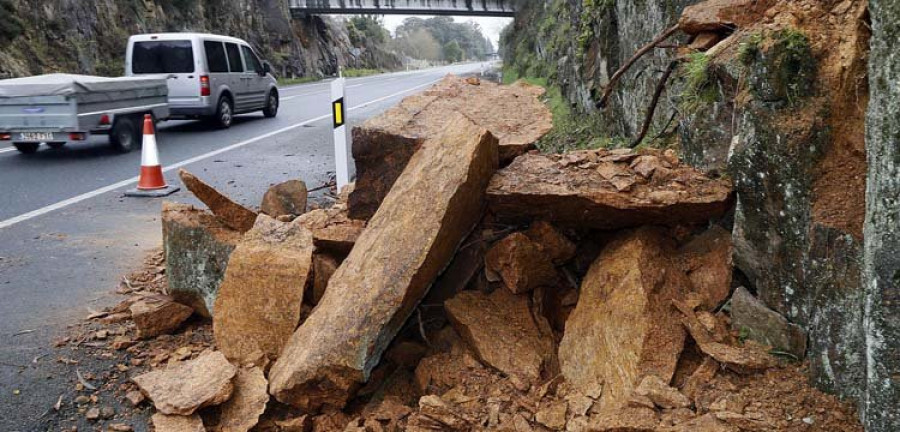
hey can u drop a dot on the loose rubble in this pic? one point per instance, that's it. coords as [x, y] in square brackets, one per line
[588, 291]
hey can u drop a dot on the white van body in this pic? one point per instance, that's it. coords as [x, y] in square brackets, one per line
[209, 76]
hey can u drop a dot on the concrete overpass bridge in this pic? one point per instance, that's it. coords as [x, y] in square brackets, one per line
[494, 8]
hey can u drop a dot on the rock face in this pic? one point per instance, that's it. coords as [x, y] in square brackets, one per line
[502, 331]
[189, 386]
[229, 212]
[624, 326]
[521, 263]
[606, 190]
[707, 260]
[331, 228]
[882, 241]
[434, 204]
[177, 423]
[251, 393]
[287, 198]
[197, 248]
[751, 316]
[258, 307]
[158, 314]
[384, 144]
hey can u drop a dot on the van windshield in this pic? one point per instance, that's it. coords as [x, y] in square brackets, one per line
[162, 57]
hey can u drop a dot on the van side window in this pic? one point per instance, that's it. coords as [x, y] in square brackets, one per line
[234, 57]
[251, 62]
[215, 56]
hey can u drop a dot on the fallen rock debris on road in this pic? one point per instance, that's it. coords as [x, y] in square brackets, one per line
[578, 292]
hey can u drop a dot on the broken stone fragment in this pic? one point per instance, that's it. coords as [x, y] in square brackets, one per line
[188, 386]
[258, 307]
[705, 423]
[701, 377]
[383, 145]
[197, 247]
[554, 243]
[417, 230]
[740, 359]
[242, 411]
[287, 198]
[158, 314]
[553, 415]
[707, 261]
[331, 228]
[229, 212]
[631, 419]
[177, 423]
[719, 16]
[501, 330]
[751, 317]
[624, 326]
[521, 263]
[324, 266]
[554, 189]
[661, 394]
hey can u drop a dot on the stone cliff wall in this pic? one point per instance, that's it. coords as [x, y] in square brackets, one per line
[882, 239]
[580, 44]
[90, 36]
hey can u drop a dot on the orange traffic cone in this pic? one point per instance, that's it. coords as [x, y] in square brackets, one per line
[151, 182]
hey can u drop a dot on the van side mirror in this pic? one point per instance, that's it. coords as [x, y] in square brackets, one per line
[267, 68]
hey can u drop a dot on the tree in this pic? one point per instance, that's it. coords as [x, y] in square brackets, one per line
[418, 44]
[468, 36]
[452, 52]
[366, 29]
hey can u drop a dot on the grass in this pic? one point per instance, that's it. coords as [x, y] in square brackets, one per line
[295, 81]
[356, 73]
[699, 89]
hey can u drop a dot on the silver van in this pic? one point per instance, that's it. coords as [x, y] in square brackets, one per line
[209, 76]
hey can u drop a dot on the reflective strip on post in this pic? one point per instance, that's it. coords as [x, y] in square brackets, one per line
[341, 143]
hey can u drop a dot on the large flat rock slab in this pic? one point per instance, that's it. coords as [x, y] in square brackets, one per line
[607, 190]
[383, 145]
[197, 247]
[502, 331]
[625, 326]
[258, 307]
[186, 387]
[431, 209]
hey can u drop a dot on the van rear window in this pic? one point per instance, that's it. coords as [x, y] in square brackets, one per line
[162, 57]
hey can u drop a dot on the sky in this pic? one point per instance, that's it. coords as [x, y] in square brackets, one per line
[490, 26]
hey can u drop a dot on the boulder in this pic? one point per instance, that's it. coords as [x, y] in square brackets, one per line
[434, 204]
[707, 261]
[745, 359]
[331, 228]
[661, 394]
[229, 212]
[501, 330]
[186, 387]
[158, 314]
[624, 326]
[287, 198]
[177, 423]
[197, 247]
[720, 16]
[601, 189]
[258, 307]
[383, 145]
[521, 263]
[751, 317]
[553, 242]
[248, 402]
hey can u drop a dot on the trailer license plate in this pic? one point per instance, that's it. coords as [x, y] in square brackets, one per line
[36, 136]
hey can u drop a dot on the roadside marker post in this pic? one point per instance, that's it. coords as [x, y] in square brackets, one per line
[151, 183]
[341, 143]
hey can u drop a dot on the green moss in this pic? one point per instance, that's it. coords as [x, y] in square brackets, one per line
[794, 65]
[749, 49]
[699, 87]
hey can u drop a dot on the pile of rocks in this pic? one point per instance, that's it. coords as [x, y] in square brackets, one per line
[582, 291]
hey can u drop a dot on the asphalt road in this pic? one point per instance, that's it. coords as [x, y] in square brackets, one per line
[67, 234]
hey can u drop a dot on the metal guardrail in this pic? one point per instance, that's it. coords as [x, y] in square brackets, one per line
[496, 8]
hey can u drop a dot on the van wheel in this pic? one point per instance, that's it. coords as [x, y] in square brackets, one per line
[271, 109]
[27, 148]
[124, 135]
[224, 113]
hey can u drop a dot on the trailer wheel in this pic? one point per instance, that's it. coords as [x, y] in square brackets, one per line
[56, 145]
[125, 134]
[27, 148]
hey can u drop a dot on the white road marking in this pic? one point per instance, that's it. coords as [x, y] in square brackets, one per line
[88, 195]
[7, 150]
